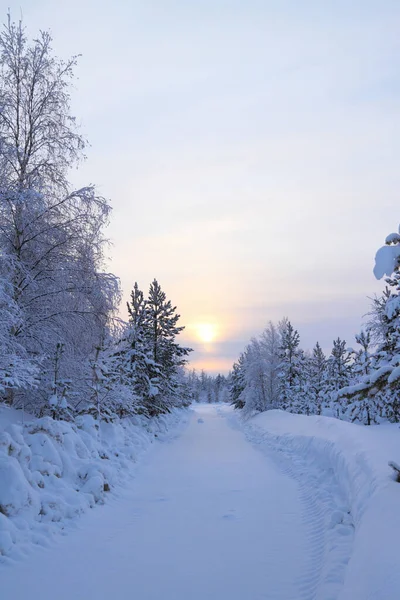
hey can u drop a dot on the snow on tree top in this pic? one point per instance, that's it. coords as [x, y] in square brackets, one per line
[392, 307]
[386, 260]
[393, 238]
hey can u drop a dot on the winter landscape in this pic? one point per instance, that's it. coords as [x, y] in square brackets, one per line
[246, 446]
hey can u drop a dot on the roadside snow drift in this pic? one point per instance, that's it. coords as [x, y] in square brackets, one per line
[52, 471]
[344, 468]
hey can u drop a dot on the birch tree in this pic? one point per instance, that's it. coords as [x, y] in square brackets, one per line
[50, 232]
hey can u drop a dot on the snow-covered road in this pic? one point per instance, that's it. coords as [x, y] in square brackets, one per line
[207, 517]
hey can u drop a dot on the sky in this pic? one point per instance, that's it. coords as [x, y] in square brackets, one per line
[250, 151]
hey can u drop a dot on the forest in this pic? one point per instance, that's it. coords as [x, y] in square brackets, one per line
[360, 384]
[63, 348]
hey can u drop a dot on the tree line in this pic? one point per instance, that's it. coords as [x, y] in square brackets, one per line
[63, 349]
[207, 388]
[361, 384]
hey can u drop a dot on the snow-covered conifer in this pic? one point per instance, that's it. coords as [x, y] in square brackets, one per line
[340, 374]
[360, 409]
[168, 356]
[136, 361]
[381, 386]
[318, 374]
[289, 365]
[237, 383]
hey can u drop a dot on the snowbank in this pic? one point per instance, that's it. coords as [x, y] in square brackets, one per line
[345, 469]
[53, 471]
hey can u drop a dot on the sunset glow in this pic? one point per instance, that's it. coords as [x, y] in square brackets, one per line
[206, 332]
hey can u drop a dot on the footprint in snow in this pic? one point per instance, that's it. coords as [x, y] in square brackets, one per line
[200, 420]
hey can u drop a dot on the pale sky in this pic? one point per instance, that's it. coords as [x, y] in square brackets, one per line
[250, 151]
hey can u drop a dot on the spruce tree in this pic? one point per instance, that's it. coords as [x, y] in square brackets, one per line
[340, 374]
[161, 330]
[318, 379]
[363, 356]
[362, 409]
[289, 366]
[237, 383]
[139, 367]
[301, 393]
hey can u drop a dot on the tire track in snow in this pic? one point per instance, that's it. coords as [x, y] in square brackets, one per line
[326, 512]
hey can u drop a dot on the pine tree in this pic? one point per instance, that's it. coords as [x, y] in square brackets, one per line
[238, 384]
[101, 381]
[301, 403]
[362, 409]
[340, 374]
[168, 356]
[318, 379]
[289, 367]
[138, 365]
[363, 357]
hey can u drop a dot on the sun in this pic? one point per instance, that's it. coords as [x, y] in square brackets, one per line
[206, 332]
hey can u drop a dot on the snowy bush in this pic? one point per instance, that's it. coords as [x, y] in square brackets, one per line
[52, 471]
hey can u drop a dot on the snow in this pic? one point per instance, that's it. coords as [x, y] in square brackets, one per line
[392, 238]
[53, 400]
[380, 373]
[53, 471]
[274, 507]
[385, 260]
[395, 467]
[395, 375]
[207, 516]
[347, 465]
[392, 306]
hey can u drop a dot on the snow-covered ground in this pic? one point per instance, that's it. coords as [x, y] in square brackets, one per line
[349, 489]
[51, 472]
[314, 515]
